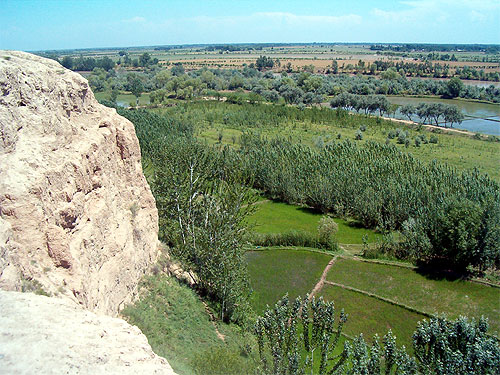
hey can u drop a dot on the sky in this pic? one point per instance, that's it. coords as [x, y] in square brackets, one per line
[33, 25]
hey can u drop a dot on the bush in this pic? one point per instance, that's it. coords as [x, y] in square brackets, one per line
[327, 230]
[291, 238]
[359, 136]
[433, 139]
[402, 138]
[388, 247]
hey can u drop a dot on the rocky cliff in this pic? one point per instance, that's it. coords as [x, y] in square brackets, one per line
[41, 335]
[78, 219]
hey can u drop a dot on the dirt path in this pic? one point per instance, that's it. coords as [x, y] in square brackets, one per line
[212, 318]
[322, 280]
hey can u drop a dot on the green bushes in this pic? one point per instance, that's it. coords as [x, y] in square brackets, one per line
[292, 238]
[293, 336]
[457, 347]
[384, 188]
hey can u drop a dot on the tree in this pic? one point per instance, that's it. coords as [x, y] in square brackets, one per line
[456, 347]
[264, 62]
[206, 211]
[145, 59]
[177, 69]
[106, 63]
[335, 67]
[67, 62]
[453, 115]
[454, 87]
[292, 335]
[408, 110]
[135, 86]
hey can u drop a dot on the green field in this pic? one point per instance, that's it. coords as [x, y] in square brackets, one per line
[277, 217]
[370, 316]
[406, 286]
[274, 273]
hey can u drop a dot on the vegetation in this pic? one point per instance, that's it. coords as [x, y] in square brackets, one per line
[386, 189]
[274, 273]
[174, 319]
[289, 334]
[272, 217]
[436, 215]
[202, 211]
[415, 289]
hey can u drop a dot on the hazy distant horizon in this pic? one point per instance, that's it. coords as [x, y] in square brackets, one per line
[35, 25]
[187, 45]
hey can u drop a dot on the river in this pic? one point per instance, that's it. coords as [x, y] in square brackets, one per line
[479, 117]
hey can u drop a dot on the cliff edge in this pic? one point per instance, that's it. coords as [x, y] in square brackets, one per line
[77, 217]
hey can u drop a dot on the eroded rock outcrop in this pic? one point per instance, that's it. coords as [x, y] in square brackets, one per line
[41, 335]
[77, 216]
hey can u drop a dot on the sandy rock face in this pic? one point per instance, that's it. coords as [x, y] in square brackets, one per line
[41, 335]
[77, 216]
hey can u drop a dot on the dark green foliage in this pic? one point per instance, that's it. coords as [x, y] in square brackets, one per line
[293, 335]
[383, 187]
[457, 347]
[201, 208]
[289, 334]
[376, 360]
[292, 238]
[454, 86]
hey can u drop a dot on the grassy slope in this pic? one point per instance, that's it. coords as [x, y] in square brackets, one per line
[178, 328]
[273, 273]
[408, 287]
[276, 217]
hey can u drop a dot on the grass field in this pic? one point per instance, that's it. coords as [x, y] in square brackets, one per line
[433, 296]
[277, 217]
[273, 273]
[370, 316]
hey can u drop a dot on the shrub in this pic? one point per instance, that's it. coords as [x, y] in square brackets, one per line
[433, 139]
[327, 231]
[291, 238]
[402, 138]
[358, 136]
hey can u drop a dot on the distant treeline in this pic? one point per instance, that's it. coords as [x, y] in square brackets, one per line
[410, 47]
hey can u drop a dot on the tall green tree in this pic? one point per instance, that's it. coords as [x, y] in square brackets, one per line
[454, 86]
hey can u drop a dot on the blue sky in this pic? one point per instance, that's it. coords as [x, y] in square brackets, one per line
[59, 24]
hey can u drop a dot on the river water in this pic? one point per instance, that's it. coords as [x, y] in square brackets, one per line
[479, 117]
